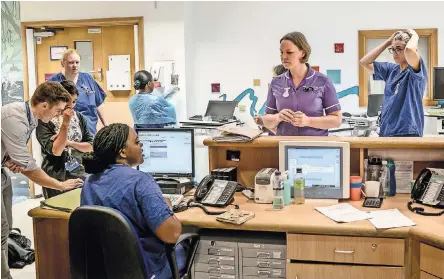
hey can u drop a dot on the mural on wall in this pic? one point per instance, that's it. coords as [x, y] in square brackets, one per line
[12, 78]
[254, 99]
[12, 68]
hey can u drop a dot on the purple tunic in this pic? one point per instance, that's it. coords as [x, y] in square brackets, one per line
[313, 96]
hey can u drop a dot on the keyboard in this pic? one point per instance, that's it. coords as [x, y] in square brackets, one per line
[196, 117]
[175, 199]
[220, 119]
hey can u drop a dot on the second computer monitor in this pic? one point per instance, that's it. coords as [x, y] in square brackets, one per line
[167, 152]
[374, 104]
[325, 167]
[438, 84]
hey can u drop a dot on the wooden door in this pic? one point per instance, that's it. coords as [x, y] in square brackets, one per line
[110, 40]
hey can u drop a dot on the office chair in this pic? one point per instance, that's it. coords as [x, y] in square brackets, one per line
[104, 245]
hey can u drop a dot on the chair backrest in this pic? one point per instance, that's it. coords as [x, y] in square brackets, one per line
[103, 245]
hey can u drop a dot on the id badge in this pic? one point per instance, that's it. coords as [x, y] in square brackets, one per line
[71, 163]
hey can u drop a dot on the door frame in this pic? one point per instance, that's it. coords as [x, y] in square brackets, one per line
[96, 22]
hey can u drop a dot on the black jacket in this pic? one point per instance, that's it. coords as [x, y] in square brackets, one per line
[53, 165]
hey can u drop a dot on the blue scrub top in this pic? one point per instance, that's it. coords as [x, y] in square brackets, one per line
[402, 110]
[137, 196]
[151, 111]
[91, 96]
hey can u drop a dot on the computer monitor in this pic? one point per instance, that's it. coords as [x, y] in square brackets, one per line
[167, 152]
[438, 84]
[325, 167]
[221, 108]
[374, 104]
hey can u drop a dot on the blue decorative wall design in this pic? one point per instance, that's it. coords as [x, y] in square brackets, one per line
[254, 100]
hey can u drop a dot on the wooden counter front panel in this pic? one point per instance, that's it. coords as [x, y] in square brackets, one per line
[51, 248]
[425, 275]
[345, 249]
[432, 260]
[327, 271]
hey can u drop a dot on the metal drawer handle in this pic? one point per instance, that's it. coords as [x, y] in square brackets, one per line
[213, 260]
[214, 269]
[212, 251]
[216, 277]
[344, 252]
[263, 264]
[263, 273]
[263, 255]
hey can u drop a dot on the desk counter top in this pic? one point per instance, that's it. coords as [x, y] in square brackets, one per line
[355, 142]
[305, 219]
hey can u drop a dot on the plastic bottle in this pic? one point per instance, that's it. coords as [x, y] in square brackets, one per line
[299, 186]
[278, 191]
[287, 188]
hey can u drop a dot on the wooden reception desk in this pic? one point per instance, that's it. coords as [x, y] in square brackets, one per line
[313, 240]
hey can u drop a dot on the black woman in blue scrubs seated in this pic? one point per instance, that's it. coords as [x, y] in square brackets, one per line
[116, 184]
[405, 82]
[149, 108]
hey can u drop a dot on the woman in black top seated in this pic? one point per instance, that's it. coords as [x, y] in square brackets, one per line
[64, 140]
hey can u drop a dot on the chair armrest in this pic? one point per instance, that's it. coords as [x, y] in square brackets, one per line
[187, 236]
[192, 249]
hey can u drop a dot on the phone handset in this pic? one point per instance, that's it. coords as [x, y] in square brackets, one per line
[203, 188]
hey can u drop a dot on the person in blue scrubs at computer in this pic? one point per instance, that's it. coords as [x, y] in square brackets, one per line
[149, 108]
[91, 95]
[116, 184]
[405, 82]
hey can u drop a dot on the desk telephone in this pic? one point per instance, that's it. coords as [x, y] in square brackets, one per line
[211, 192]
[428, 190]
[214, 192]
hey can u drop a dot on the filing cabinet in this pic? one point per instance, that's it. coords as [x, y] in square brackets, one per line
[216, 257]
[259, 260]
[240, 255]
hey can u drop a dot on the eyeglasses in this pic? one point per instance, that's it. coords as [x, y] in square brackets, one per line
[396, 50]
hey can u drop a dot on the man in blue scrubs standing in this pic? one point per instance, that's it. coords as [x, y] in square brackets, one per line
[405, 82]
[91, 95]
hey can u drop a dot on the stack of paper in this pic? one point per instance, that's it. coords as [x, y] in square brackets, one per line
[343, 213]
[391, 218]
[237, 134]
[381, 219]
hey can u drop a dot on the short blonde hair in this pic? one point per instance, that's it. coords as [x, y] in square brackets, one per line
[402, 36]
[68, 52]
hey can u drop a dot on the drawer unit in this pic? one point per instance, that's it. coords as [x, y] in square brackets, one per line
[219, 269]
[210, 259]
[262, 259]
[202, 275]
[217, 257]
[331, 271]
[346, 249]
[263, 263]
[431, 260]
[263, 272]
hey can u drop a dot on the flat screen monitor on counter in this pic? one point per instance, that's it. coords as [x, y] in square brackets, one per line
[325, 167]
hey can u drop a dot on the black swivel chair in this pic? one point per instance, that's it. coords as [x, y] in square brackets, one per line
[103, 245]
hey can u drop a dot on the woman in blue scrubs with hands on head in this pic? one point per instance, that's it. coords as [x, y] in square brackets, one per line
[116, 184]
[91, 95]
[405, 82]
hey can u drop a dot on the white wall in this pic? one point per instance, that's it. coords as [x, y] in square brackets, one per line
[163, 28]
[235, 42]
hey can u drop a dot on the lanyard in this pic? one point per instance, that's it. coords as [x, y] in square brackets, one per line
[28, 112]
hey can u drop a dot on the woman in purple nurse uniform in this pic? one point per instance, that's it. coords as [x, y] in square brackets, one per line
[301, 101]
